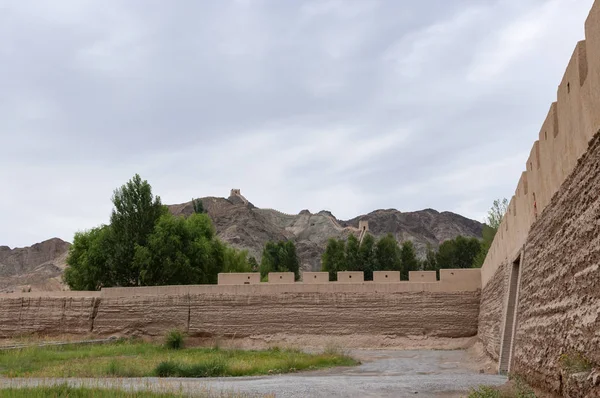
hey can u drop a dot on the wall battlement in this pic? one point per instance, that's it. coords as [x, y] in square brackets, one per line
[563, 138]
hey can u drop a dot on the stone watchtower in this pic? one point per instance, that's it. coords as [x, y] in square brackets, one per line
[363, 227]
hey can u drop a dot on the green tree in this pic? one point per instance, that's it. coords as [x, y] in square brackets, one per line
[280, 257]
[198, 206]
[496, 213]
[253, 264]
[134, 215]
[352, 254]
[181, 251]
[387, 254]
[237, 261]
[89, 260]
[458, 253]
[430, 262]
[486, 243]
[368, 260]
[492, 223]
[409, 259]
[334, 258]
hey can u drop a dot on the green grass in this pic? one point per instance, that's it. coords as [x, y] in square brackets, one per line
[65, 391]
[515, 389]
[140, 359]
[79, 392]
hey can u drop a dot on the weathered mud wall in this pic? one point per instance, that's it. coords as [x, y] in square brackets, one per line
[559, 299]
[491, 312]
[47, 315]
[563, 138]
[247, 312]
[554, 216]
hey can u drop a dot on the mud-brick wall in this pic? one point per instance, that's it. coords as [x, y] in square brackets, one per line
[559, 299]
[491, 311]
[447, 314]
[46, 315]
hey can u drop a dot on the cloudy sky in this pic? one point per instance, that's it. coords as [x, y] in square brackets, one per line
[347, 106]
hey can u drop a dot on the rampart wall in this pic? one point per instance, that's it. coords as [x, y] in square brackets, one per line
[563, 138]
[442, 309]
[552, 225]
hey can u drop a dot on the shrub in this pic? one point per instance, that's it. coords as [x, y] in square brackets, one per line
[174, 340]
[211, 368]
[167, 369]
[574, 363]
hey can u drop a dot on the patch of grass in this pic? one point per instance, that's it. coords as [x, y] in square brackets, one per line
[515, 389]
[174, 340]
[64, 390]
[132, 358]
[575, 362]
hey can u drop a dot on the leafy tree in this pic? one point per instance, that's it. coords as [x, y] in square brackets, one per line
[89, 260]
[458, 253]
[486, 243]
[430, 262]
[492, 223]
[352, 254]
[181, 251]
[409, 259]
[135, 213]
[368, 260]
[146, 245]
[280, 257]
[334, 258]
[198, 206]
[253, 264]
[496, 213]
[387, 254]
[237, 261]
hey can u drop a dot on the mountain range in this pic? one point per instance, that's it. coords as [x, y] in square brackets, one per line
[245, 226]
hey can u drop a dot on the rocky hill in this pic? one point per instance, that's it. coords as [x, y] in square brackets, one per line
[38, 267]
[241, 224]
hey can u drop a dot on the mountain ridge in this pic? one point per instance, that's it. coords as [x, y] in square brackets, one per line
[241, 224]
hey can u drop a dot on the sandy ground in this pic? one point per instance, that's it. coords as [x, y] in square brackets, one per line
[384, 373]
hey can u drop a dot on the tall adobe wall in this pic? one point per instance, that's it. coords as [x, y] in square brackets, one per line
[571, 123]
[554, 217]
[559, 297]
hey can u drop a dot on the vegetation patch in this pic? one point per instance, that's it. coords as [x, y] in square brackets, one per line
[575, 362]
[65, 390]
[516, 388]
[140, 359]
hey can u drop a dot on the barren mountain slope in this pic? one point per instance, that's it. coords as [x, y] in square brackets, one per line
[245, 226]
[39, 266]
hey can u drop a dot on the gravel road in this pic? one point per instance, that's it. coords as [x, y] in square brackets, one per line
[443, 374]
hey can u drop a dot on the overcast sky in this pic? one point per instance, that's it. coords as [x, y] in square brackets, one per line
[347, 106]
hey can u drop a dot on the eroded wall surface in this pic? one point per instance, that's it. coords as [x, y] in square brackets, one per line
[553, 222]
[559, 299]
[491, 312]
[46, 315]
[249, 310]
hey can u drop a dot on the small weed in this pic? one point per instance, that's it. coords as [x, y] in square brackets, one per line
[174, 340]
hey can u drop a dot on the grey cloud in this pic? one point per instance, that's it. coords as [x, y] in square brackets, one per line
[294, 102]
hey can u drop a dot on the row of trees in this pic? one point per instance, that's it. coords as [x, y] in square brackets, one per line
[386, 255]
[368, 256]
[144, 245]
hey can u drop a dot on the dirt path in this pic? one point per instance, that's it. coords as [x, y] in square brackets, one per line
[383, 374]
